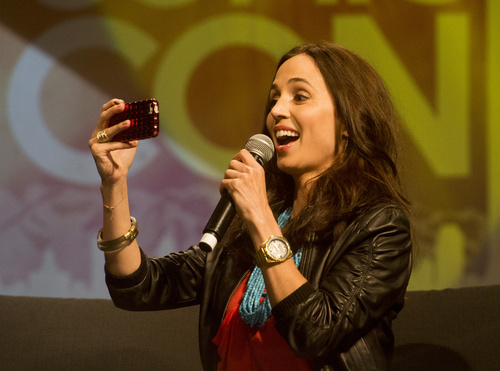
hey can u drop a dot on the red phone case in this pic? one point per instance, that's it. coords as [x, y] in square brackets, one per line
[145, 120]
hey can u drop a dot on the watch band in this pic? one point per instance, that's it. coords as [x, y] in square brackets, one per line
[262, 255]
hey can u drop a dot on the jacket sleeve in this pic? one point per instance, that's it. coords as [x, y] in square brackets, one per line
[172, 281]
[362, 280]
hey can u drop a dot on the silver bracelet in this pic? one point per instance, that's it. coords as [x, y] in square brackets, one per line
[120, 242]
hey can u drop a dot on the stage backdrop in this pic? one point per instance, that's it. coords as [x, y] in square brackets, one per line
[210, 63]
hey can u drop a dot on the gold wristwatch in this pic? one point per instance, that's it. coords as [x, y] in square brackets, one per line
[274, 250]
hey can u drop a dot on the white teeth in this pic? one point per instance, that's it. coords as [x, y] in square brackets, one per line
[286, 133]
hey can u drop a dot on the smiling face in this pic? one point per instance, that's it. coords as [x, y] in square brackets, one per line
[302, 119]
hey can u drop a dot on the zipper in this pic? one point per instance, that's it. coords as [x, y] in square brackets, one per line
[305, 263]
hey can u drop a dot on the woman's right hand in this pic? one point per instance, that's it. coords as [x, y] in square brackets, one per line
[113, 159]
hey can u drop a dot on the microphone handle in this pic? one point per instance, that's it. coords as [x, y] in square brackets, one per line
[218, 223]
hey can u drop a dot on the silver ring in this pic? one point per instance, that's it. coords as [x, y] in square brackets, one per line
[102, 137]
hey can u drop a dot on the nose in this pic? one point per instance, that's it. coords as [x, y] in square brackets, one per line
[279, 109]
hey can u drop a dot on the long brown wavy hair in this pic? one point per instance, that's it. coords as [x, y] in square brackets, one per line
[366, 173]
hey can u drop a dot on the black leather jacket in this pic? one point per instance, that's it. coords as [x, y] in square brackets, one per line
[341, 318]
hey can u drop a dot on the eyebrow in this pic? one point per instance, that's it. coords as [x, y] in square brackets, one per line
[291, 81]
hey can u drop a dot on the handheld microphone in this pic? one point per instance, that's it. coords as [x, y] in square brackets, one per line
[262, 149]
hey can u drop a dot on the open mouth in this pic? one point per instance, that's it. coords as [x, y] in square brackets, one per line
[284, 137]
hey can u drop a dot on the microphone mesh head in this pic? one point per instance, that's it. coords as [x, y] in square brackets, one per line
[260, 145]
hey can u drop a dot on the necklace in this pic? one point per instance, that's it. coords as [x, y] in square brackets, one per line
[252, 311]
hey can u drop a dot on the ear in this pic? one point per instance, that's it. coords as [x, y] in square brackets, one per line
[345, 138]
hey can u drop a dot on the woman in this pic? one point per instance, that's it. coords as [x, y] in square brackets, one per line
[327, 299]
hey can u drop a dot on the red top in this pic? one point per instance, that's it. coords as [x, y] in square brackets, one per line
[242, 347]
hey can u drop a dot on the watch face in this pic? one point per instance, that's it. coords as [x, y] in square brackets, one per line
[277, 249]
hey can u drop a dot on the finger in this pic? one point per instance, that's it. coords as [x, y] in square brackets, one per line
[110, 109]
[118, 128]
[102, 149]
[234, 174]
[226, 185]
[246, 157]
[111, 103]
[231, 174]
[236, 164]
[107, 134]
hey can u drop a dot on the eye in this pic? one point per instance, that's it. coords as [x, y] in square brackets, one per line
[271, 103]
[300, 97]
[273, 98]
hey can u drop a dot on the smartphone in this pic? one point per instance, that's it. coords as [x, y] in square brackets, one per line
[145, 120]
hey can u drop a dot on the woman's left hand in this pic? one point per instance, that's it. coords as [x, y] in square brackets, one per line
[245, 182]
